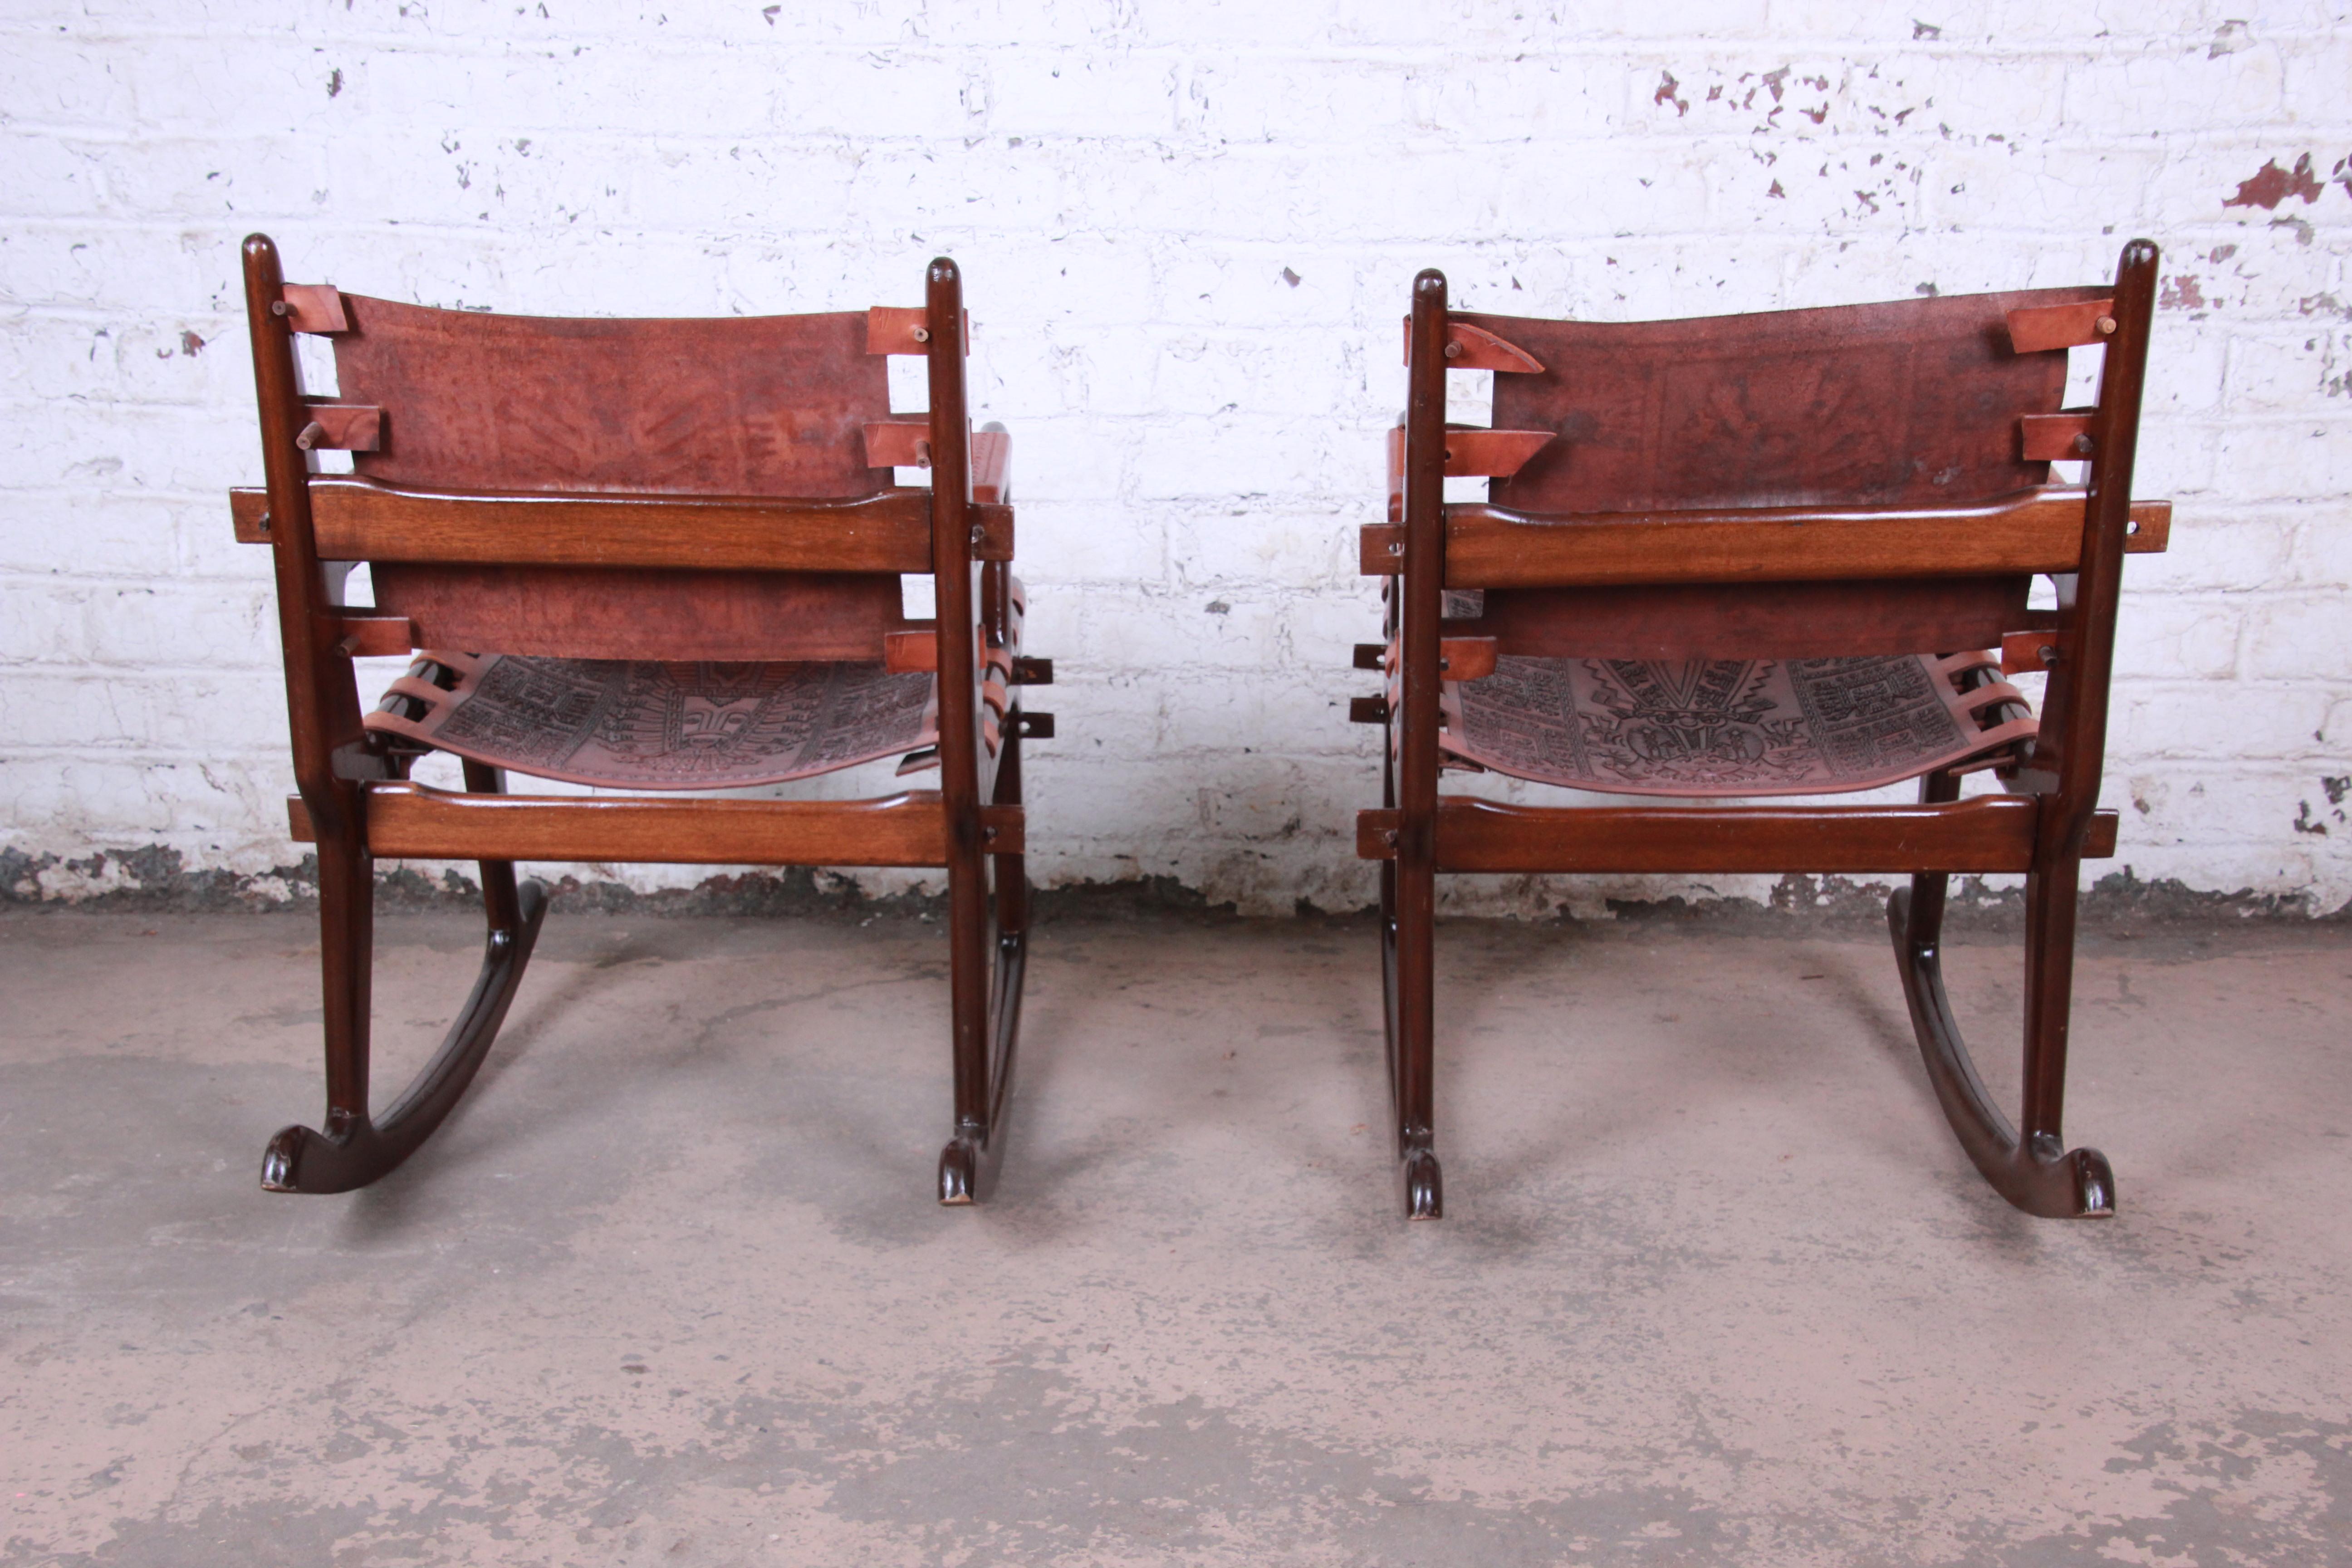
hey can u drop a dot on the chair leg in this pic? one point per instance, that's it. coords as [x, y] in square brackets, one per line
[1409, 962]
[2037, 1172]
[968, 1164]
[353, 1149]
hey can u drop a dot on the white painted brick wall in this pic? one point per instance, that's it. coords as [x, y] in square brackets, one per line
[1188, 231]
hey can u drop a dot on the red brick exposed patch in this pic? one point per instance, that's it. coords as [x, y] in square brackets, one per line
[1666, 93]
[2271, 184]
[2180, 293]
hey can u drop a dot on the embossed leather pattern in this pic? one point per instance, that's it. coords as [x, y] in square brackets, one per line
[646, 725]
[1733, 726]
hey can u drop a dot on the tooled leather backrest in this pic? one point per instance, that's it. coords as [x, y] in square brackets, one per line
[1915, 402]
[745, 406]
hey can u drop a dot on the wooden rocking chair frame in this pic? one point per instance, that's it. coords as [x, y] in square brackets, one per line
[2044, 826]
[356, 803]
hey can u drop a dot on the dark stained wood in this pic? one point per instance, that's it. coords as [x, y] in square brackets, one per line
[412, 821]
[2028, 652]
[745, 406]
[1473, 451]
[1807, 484]
[1986, 834]
[2036, 329]
[2034, 531]
[590, 612]
[1753, 620]
[1911, 403]
[666, 490]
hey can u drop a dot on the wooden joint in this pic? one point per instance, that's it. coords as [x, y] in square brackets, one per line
[249, 514]
[1376, 835]
[341, 427]
[2062, 437]
[1380, 548]
[899, 444]
[1465, 659]
[2149, 531]
[992, 531]
[373, 637]
[311, 308]
[1371, 656]
[1032, 671]
[1003, 830]
[1034, 726]
[2029, 653]
[1476, 348]
[297, 821]
[2039, 328]
[1368, 711]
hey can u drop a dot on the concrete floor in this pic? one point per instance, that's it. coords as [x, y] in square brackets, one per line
[1715, 1286]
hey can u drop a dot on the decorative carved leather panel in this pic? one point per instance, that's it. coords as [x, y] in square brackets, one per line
[1913, 402]
[646, 725]
[1732, 727]
[764, 405]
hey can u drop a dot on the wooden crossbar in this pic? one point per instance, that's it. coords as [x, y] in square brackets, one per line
[1488, 547]
[410, 821]
[358, 520]
[1990, 833]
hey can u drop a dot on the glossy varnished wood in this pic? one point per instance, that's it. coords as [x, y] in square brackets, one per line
[2033, 532]
[358, 520]
[1986, 834]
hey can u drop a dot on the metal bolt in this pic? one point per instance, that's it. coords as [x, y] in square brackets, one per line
[1389, 838]
[1397, 549]
[978, 534]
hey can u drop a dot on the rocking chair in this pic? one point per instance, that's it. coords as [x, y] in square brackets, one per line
[650, 555]
[1779, 555]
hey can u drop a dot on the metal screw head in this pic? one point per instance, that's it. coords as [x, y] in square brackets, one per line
[2107, 325]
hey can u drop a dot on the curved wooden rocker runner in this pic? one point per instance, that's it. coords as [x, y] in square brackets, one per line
[656, 555]
[1743, 557]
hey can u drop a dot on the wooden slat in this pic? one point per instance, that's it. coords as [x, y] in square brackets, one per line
[357, 519]
[2028, 653]
[1990, 833]
[1486, 547]
[408, 821]
[1465, 659]
[2055, 437]
[2042, 327]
